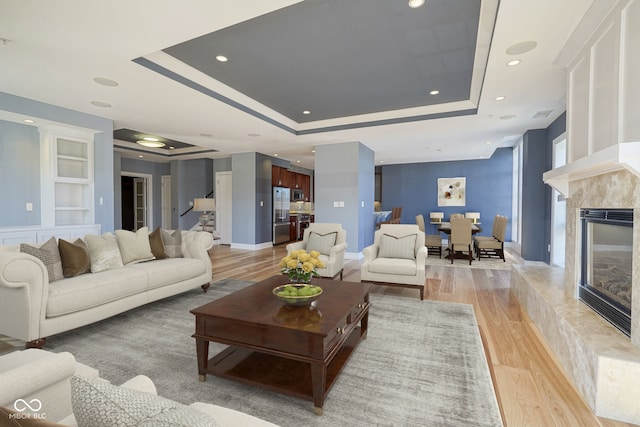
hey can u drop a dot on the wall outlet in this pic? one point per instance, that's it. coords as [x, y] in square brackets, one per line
[362, 204]
[190, 203]
[261, 203]
[336, 204]
[341, 204]
[29, 206]
[101, 201]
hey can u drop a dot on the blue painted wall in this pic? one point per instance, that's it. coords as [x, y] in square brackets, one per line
[414, 187]
[19, 174]
[190, 179]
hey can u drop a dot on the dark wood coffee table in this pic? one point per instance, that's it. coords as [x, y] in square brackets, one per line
[297, 351]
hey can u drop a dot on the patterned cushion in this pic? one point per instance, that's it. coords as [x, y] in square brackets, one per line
[321, 242]
[97, 403]
[172, 243]
[155, 241]
[134, 247]
[75, 257]
[398, 247]
[103, 251]
[49, 255]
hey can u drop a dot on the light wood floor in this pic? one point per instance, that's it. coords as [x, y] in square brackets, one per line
[531, 388]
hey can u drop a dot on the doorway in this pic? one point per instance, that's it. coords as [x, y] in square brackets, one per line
[224, 203]
[136, 201]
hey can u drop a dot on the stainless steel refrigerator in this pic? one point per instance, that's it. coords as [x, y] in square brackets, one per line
[281, 204]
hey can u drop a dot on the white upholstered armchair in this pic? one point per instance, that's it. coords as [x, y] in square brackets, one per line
[328, 239]
[396, 258]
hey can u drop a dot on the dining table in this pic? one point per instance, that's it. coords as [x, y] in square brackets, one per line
[445, 227]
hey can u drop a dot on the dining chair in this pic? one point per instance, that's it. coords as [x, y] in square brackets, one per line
[460, 238]
[493, 246]
[433, 242]
[396, 215]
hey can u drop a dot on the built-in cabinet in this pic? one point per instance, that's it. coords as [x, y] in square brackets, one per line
[38, 234]
[66, 177]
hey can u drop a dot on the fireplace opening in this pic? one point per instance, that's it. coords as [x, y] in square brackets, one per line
[606, 264]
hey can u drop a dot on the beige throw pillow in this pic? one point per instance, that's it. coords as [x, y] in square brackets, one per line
[103, 251]
[172, 243]
[321, 242]
[134, 247]
[49, 255]
[398, 247]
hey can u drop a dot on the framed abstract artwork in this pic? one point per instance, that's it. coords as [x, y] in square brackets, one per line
[452, 191]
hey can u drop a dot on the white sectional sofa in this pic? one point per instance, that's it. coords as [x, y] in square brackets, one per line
[32, 308]
[47, 382]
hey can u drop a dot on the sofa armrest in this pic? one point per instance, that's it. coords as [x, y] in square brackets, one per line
[421, 256]
[141, 383]
[195, 244]
[24, 289]
[370, 253]
[38, 374]
[295, 246]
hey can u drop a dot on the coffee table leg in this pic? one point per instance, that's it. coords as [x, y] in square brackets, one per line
[318, 383]
[202, 347]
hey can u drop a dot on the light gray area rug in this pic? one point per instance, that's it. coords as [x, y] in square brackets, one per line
[483, 263]
[422, 364]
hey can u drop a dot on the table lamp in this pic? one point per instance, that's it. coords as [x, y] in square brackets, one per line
[474, 216]
[436, 216]
[204, 205]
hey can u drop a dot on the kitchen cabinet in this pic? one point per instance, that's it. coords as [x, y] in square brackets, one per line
[306, 187]
[280, 177]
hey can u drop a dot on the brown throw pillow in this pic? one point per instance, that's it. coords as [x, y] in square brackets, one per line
[75, 257]
[157, 247]
[49, 255]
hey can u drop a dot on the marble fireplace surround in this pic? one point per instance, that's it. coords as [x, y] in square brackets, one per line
[602, 363]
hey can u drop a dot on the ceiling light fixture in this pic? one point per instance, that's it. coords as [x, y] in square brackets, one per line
[513, 62]
[28, 121]
[150, 143]
[172, 147]
[105, 81]
[434, 92]
[306, 112]
[101, 104]
[222, 58]
[415, 3]
[489, 142]
[500, 98]
[522, 47]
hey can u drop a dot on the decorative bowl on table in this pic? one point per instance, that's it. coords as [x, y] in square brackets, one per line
[297, 293]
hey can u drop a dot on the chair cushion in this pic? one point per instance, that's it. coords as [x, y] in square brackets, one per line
[171, 270]
[397, 247]
[404, 267]
[49, 254]
[98, 403]
[321, 242]
[75, 257]
[489, 244]
[104, 252]
[432, 240]
[134, 247]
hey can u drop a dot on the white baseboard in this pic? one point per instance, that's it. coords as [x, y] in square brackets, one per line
[248, 247]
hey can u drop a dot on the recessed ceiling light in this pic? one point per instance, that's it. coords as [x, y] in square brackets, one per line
[489, 142]
[275, 155]
[415, 3]
[101, 104]
[513, 62]
[381, 161]
[499, 98]
[522, 47]
[150, 144]
[222, 58]
[105, 81]
[140, 155]
[28, 121]
[306, 112]
[313, 151]
[150, 138]
[434, 92]
[297, 161]
[171, 147]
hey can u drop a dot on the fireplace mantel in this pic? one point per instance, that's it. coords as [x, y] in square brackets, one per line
[625, 155]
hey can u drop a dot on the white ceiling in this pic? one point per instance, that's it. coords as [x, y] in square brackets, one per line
[56, 48]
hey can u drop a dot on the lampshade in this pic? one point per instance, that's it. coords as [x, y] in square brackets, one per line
[436, 216]
[204, 205]
[475, 216]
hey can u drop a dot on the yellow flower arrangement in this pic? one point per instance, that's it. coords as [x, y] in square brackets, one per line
[301, 265]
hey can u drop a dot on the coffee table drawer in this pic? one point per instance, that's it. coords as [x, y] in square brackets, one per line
[356, 311]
